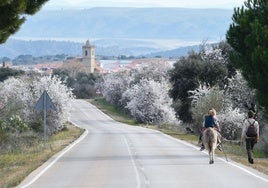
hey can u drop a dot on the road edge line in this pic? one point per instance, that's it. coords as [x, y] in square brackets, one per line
[228, 162]
[57, 156]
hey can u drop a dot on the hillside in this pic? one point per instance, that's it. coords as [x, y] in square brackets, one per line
[138, 23]
[105, 47]
[14, 48]
[118, 31]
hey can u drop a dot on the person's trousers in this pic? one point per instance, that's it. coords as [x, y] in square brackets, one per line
[250, 142]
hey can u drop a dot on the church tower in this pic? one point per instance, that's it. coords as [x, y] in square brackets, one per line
[89, 56]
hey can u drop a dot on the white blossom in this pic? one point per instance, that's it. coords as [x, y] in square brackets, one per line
[229, 116]
[240, 93]
[212, 53]
[143, 91]
[15, 93]
[201, 91]
[61, 97]
[113, 87]
[23, 93]
[149, 102]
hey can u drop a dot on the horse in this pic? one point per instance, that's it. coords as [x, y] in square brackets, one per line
[209, 139]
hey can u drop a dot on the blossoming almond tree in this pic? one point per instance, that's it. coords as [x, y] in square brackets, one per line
[15, 97]
[113, 87]
[19, 97]
[60, 95]
[229, 116]
[150, 103]
[143, 91]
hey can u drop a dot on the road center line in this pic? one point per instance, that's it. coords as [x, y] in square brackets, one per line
[133, 164]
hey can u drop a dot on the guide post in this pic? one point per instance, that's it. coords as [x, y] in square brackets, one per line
[45, 103]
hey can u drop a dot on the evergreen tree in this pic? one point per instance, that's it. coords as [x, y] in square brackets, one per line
[8, 72]
[13, 14]
[248, 35]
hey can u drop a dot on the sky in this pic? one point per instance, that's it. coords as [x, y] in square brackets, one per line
[82, 4]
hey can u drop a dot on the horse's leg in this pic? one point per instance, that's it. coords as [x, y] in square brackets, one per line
[210, 156]
[210, 161]
[211, 153]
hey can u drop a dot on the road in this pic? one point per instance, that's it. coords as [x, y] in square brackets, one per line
[115, 155]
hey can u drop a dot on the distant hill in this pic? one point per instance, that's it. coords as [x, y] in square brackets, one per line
[14, 48]
[178, 52]
[138, 23]
[118, 31]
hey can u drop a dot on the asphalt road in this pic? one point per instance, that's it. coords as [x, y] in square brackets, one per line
[115, 155]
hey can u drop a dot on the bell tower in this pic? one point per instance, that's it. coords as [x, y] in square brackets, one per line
[89, 56]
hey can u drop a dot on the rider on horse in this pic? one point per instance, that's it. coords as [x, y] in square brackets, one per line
[211, 121]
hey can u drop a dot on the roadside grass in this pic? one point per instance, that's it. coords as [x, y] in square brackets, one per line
[18, 164]
[234, 151]
[116, 113]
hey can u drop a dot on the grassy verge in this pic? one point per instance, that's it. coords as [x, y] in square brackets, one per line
[16, 165]
[116, 113]
[234, 152]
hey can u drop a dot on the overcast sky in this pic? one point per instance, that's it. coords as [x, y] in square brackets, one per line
[81, 4]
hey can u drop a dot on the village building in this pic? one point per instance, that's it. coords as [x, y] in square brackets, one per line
[88, 56]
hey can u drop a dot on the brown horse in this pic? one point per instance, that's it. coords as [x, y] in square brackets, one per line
[209, 139]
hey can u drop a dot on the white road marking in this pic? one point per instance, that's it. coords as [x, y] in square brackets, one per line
[245, 170]
[228, 162]
[68, 148]
[133, 163]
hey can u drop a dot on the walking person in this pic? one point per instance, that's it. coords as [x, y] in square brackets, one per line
[250, 134]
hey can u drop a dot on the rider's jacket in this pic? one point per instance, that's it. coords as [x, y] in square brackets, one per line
[210, 121]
